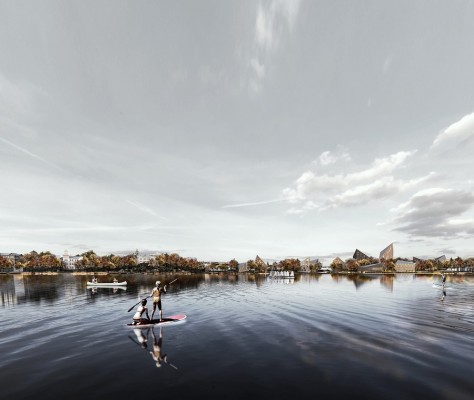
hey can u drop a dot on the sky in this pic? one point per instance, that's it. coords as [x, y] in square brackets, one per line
[222, 130]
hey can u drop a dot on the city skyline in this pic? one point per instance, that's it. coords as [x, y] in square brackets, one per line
[229, 130]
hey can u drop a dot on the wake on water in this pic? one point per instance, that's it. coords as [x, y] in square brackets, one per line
[440, 286]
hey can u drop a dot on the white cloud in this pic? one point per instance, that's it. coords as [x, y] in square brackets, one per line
[382, 188]
[457, 132]
[264, 27]
[381, 166]
[273, 19]
[328, 157]
[267, 27]
[325, 190]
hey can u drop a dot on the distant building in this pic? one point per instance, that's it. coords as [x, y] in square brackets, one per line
[387, 253]
[337, 261]
[144, 258]
[260, 263]
[405, 266]
[358, 255]
[243, 267]
[70, 261]
[13, 257]
[378, 267]
[305, 265]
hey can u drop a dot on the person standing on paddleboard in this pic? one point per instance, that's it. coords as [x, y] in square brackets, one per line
[156, 294]
[143, 309]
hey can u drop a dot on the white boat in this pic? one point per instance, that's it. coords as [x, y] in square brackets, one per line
[107, 284]
[325, 270]
[282, 274]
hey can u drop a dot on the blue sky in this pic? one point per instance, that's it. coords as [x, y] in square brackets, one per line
[224, 130]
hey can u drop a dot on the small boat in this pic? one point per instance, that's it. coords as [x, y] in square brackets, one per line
[324, 270]
[107, 284]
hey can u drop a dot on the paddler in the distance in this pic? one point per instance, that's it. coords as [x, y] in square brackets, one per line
[156, 294]
[142, 309]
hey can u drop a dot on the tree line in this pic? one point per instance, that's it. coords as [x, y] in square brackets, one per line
[90, 261]
[388, 265]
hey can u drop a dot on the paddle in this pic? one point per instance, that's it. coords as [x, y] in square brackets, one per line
[171, 282]
[131, 308]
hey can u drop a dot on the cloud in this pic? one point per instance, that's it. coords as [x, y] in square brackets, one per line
[456, 133]
[328, 157]
[436, 212]
[273, 20]
[256, 203]
[268, 25]
[312, 190]
[375, 190]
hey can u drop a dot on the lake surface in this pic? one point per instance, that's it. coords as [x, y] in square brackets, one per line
[246, 336]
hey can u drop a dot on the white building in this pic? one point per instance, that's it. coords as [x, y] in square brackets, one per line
[70, 261]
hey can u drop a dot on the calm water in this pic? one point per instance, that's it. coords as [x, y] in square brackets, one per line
[245, 337]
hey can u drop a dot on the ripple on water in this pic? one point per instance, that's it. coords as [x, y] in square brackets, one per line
[364, 337]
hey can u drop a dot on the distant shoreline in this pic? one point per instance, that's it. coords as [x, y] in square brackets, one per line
[102, 273]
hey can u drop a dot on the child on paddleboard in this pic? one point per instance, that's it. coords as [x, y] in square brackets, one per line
[137, 318]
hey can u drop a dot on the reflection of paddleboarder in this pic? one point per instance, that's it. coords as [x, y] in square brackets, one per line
[156, 353]
[444, 294]
[141, 337]
[157, 343]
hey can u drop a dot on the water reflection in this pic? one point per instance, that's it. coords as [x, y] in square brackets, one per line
[19, 289]
[444, 294]
[359, 279]
[111, 289]
[22, 288]
[141, 339]
[387, 281]
[156, 354]
[388, 336]
[281, 280]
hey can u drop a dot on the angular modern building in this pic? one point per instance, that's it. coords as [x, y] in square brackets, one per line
[358, 255]
[387, 253]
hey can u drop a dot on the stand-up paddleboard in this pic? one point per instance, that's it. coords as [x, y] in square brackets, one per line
[172, 319]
